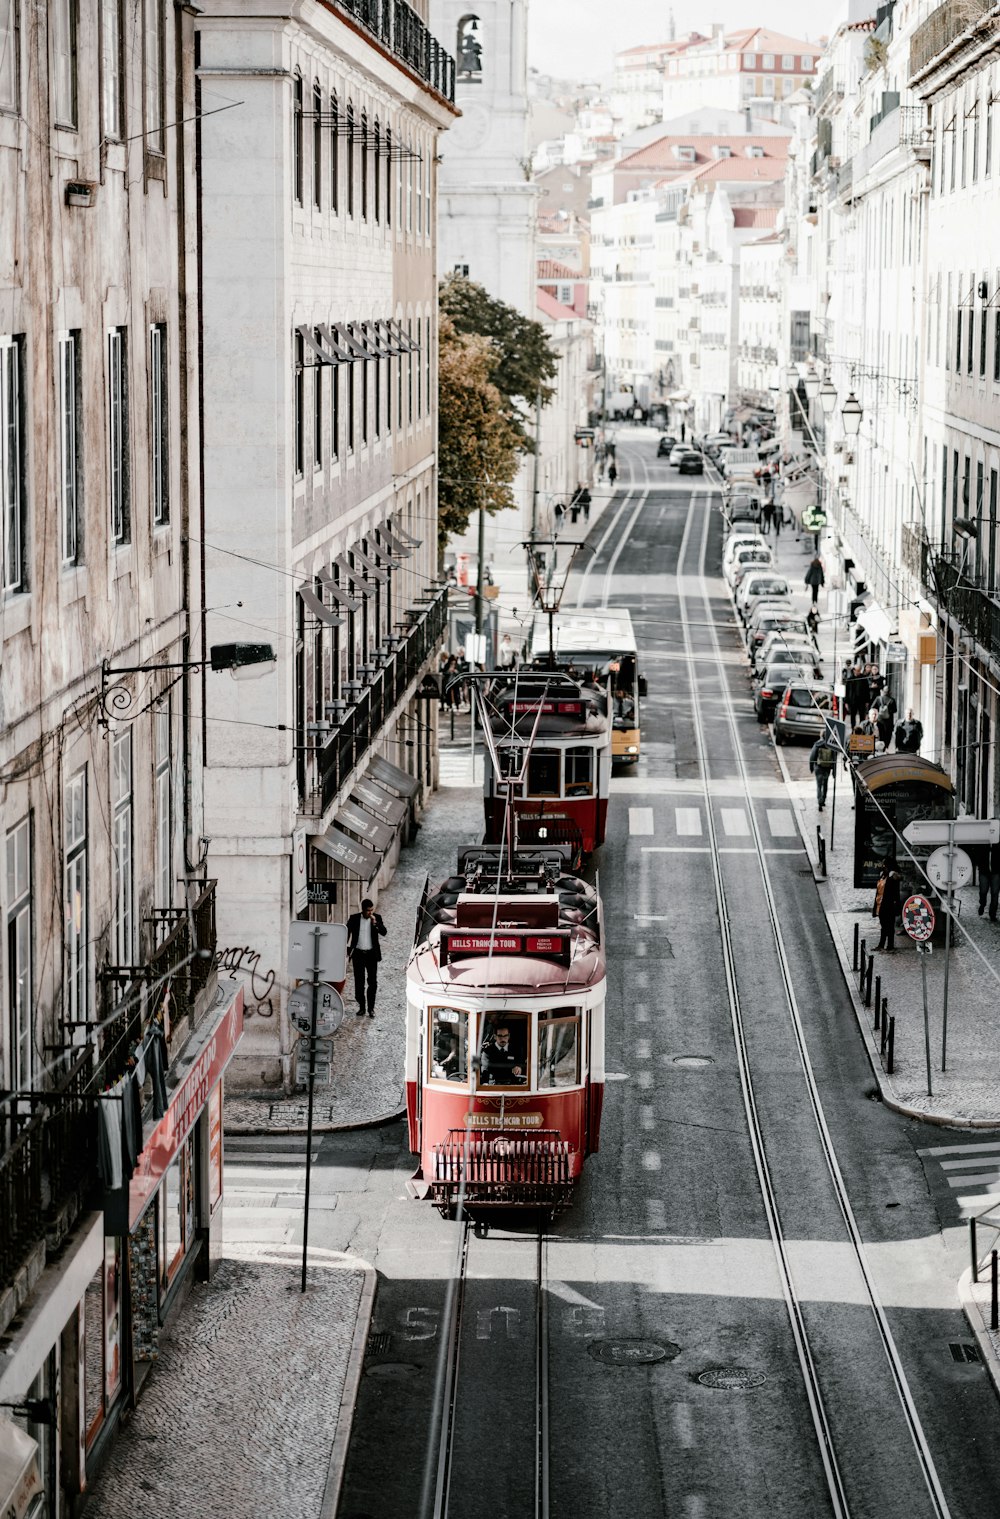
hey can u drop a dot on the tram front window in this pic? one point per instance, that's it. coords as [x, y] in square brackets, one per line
[504, 1055]
[558, 1050]
[543, 773]
[579, 772]
[449, 1044]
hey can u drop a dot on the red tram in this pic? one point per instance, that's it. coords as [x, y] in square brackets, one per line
[562, 727]
[505, 1031]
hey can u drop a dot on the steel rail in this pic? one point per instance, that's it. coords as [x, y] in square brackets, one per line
[627, 495]
[920, 1441]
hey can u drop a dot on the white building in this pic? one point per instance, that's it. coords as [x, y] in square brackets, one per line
[761, 272]
[319, 357]
[637, 90]
[751, 69]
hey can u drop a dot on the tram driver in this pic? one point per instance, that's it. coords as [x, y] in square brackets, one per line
[500, 1065]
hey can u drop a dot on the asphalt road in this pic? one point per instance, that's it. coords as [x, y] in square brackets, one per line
[676, 1384]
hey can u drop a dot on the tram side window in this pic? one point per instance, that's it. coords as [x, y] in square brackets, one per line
[449, 1044]
[579, 772]
[504, 1056]
[543, 773]
[558, 1050]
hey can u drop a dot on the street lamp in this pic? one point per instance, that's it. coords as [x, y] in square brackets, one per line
[851, 413]
[812, 383]
[828, 396]
[244, 661]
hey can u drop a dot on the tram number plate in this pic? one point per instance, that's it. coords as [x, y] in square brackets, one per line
[504, 1121]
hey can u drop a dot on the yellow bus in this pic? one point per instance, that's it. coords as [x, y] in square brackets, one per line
[600, 641]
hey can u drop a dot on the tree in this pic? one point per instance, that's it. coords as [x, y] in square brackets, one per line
[524, 361]
[478, 445]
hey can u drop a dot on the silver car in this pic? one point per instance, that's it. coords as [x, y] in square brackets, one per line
[802, 710]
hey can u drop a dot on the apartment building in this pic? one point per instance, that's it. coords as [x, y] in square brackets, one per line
[752, 69]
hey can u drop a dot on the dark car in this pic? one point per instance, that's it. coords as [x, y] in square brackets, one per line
[802, 710]
[666, 443]
[775, 678]
[691, 463]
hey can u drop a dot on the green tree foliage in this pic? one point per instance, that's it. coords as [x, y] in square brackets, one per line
[525, 364]
[478, 445]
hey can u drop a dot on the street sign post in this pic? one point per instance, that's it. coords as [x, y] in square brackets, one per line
[327, 941]
[923, 950]
[918, 921]
[949, 868]
[329, 1010]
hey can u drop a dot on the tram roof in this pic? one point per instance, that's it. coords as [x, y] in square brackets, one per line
[498, 974]
[591, 631]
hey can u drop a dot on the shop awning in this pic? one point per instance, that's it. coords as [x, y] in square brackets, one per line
[378, 800]
[340, 596]
[380, 571]
[309, 339]
[357, 580]
[20, 1472]
[395, 544]
[407, 538]
[875, 623]
[892, 769]
[368, 828]
[357, 858]
[318, 608]
[391, 775]
[342, 355]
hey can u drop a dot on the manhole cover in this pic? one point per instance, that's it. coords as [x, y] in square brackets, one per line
[632, 1352]
[378, 1343]
[731, 1378]
[691, 1060]
[391, 1369]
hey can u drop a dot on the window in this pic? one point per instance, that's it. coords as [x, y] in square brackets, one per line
[365, 380]
[504, 1054]
[983, 330]
[77, 1001]
[749, 60]
[350, 159]
[118, 436]
[70, 472]
[579, 772]
[12, 474]
[317, 147]
[299, 444]
[122, 924]
[409, 190]
[317, 374]
[388, 177]
[399, 387]
[975, 142]
[399, 187]
[788, 63]
[159, 396]
[971, 325]
[954, 148]
[420, 195]
[558, 1050]
[377, 191]
[164, 810]
[449, 1053]
[297, 144]
[767, 61]
[334, 154]
[364, 166]
[991, 565]
[958, 340]
[543, 773]
[996, 344]
[409, 374]
[112, 124]
[427, 361]
[377, 374]
[965, 141]
[63, 22]
[20, 940]
[807, 65]
[351, 404]
[988, 148]
[335, 412]
[420, 377]
[10, 54]
[156, 83]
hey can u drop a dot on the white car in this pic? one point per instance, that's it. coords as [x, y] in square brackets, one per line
[779, 643]
[737, 541]
[677, 453]
[757, 554]
[767, 586]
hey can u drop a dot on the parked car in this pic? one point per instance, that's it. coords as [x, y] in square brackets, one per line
[690, 463]
[803, 709]
[666, 443]
[764, 586]
[773, 683]
[779, 643]
[747, 560]
[740, 540]
[770, 616]
[677, 453]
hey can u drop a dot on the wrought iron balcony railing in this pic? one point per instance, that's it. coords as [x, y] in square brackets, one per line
[398, 28]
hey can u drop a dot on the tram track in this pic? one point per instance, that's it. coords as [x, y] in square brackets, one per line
[832, 1459]
[629, 499]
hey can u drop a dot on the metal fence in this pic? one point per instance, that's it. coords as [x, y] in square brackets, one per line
[398, 28]
[942, 26]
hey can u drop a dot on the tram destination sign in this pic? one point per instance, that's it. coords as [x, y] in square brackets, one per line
[551, 946]
[548, 708]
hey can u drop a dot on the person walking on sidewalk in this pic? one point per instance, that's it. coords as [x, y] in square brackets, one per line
[822, 758]
[612, 474]
[364, 929]
[909, 734]
[886, 718]
[987, 862]
[886, 905]
[815, 577]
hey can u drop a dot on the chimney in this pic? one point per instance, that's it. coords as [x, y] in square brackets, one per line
[749, 120]
[719, 35]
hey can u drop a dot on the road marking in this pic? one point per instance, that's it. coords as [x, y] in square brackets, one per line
[959, 1165]
[643, 1049]
[641, 1013]
[688, 821]
[781, 822]
[993, 1146]
[646, 1116]
[734, 821]
[675, 849]
[640, 820]
[651, 1161]
[985, 1179]
[683, 1425]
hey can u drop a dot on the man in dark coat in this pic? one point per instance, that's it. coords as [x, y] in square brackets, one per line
[815, 577]
[501, 1067]
[886, 905]
[364, 929]
[987, 861]
[909, 734]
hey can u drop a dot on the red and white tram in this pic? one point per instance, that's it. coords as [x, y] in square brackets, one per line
[505, 1031]
[562, 728]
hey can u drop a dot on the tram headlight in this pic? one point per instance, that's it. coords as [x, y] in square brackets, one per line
[632, 749]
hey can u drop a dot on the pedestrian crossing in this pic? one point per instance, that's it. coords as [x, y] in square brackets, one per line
[971, 1173]
[264, 1187]
[687, 824]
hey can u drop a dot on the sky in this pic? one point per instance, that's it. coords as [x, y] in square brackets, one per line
[576, 38]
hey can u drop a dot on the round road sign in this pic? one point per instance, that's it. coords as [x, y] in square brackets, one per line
[945, 862]
[918, 918]
[329, 1010]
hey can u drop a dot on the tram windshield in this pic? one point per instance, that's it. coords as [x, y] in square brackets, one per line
[449, 1044]
[558, 1050]
[504, 1054]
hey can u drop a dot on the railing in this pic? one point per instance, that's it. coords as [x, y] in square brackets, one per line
[398, 28]
[362, 723]
[828, 85]
[942, 26]
[914, 550]
[967, 602]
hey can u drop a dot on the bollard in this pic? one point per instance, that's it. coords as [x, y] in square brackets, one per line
[868, 981]
[822, 855]
[994, 1322]
[973, 1249]
[857, 941]
[878, 999]
[892, 1042]
[885, 1009]
[864, 957]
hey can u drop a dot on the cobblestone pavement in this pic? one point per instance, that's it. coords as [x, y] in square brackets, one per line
[367, 1080]
[240, 1415]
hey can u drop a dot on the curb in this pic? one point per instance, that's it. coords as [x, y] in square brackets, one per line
[382, 1121]
[349, 1396]
[973, 1310]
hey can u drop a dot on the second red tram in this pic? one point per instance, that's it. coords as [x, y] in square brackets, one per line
[505, 1031]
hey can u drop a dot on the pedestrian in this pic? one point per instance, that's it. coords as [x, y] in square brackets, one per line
[987, 858]
[856, 693]
[779, 514]
[876, 683]
[886, 715]
[815, 577]
[585, 503]
[364, 929]
[909, 734]
[768, 513]
[612, 473]
[886, 905]
[822, 758]
[450, 690]
[812, 623]
[506, 654]
[870, 724]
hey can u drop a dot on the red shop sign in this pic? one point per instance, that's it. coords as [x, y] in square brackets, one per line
[163, 1144]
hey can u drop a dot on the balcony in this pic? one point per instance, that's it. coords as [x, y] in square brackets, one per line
[395, 26]
[361, 724]
[830, 91]
[964, 599]
[914, 552]
[941, 28]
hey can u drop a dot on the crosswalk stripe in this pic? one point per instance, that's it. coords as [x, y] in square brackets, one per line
[640, 820]
[781, 822]
[734, 821]
[688, 820]
[985, 1179]
[960, 1165]
[992, 1146]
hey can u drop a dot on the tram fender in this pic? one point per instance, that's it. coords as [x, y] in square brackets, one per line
[595, 1104]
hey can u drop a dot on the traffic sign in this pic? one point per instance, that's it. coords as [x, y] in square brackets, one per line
[323, 1065]
[329, 1010]
[953, 831]
[861, 743]
[918, 918]
[331, 941]
[949, 868]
